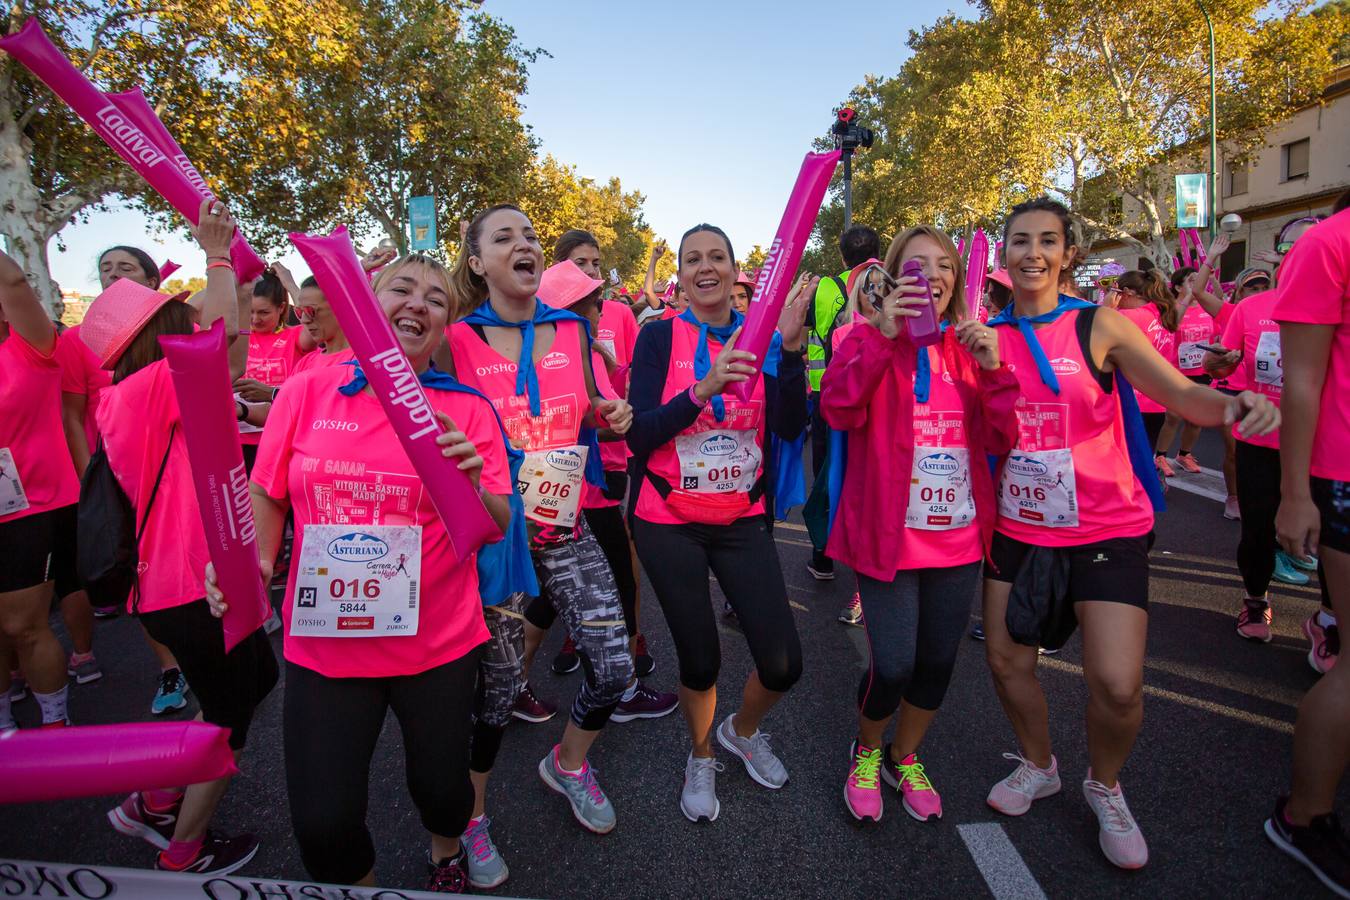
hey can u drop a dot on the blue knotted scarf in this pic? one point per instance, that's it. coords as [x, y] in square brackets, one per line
[703, 357]
[527, 380]
[923, 369]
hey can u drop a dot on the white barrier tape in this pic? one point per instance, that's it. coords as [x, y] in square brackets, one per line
[24, 878]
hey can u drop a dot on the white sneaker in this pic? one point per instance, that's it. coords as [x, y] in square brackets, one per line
[698, 797]
[1119, 837]
[1014, 795]
[761, 763]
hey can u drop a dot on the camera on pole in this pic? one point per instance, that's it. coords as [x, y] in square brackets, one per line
[848, 137]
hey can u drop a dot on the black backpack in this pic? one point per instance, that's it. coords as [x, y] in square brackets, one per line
[107, 540]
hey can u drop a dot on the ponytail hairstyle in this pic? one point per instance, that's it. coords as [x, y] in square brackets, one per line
[570, 241]
[1179, 276]
[702, 226]
[1153, 287]
[956, 306]
[468, 289]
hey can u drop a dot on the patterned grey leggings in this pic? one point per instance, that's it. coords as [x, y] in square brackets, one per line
[501, 677]
[576, 578]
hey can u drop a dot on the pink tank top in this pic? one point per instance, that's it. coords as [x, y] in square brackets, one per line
[1069, 480]
[1253, 330]
[940, 526]
[1196, 328]
[709, 457]
[614, 454]
[552, 478]
[1146, 318]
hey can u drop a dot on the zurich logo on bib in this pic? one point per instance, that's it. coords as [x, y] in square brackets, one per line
[357, 547]
[566, 459]
[939, 464]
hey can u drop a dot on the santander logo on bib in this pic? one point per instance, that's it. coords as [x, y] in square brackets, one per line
[939, 464]
[1025, 466]
[718, 445]
[1065, 366]
[357, 547]
[555, 359]
[566, 460]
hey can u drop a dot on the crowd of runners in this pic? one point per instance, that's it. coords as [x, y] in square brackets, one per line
[1015, 452]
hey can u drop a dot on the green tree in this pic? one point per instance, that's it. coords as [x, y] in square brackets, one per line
[199, 64]
[177, 285]
[753, 260]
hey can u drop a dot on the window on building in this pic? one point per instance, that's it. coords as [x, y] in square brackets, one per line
[1294, 160]
[1235, 179]
[1233, 261]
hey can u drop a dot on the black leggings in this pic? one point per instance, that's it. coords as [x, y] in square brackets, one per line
[1153, 423]
[677, 559]
[606, 523]
[914, 625]
[1258, 475]
[331, 726]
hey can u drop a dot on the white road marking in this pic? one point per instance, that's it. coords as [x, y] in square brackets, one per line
[999, 862]
[1202, 484]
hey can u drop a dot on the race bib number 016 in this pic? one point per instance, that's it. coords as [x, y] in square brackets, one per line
[939, 489]
[358, 581]
[12, 497]
[725, 461]
[551, 483]
[1038, 488]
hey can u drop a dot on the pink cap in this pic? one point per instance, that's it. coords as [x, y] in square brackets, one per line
[563, 284]
[745, 279]
[117, 315]
[858, 270]
[1002, 277]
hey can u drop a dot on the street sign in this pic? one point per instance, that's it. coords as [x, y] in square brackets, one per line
[422, 221]
[1193, 201]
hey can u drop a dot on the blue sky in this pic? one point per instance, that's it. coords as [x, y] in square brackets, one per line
[706, 107]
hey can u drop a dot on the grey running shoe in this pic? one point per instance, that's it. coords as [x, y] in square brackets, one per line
[755, 752]
[487, 869]
[698, 797]
[589, 804]
[84, 672]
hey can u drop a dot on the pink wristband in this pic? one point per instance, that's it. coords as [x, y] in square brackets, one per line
[694, 398]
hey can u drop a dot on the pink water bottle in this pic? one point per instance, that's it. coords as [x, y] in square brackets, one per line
[923, 330]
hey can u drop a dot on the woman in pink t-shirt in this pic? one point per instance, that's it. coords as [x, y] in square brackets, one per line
[1313, 309]
[1074, 513]
[38, 491]
[916, 511]
[378, 615]
[317, 318]
[142, 435]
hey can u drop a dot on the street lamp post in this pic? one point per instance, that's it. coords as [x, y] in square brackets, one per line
[1213, 131]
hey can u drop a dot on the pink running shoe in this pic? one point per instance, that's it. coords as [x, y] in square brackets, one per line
[1326, 644]
[1253, 623]
[862, 793]
[1119, 835]
[917, 795]
[1014, 795]
[1188, 463]
[1164, 467]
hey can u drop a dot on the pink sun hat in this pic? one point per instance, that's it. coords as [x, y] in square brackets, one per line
[1002, 277]
[117, 315]
[563, 284]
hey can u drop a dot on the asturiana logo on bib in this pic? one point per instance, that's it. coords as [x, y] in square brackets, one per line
[939, 464]
[718, 445]
[566, 460]
[1065, 366]
[1025, 466]
[556, 359]
[357, 547]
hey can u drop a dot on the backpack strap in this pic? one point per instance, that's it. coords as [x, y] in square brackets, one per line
[149, 505]
[1083, 327]
[825, 343]
[756, 492]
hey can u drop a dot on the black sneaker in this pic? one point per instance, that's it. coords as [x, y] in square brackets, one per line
[450, 875]
[821, 568]
[566, 660]
[1321, 846]
[219, 855]
[643, 664]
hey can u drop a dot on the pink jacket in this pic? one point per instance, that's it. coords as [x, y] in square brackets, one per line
[868, 391]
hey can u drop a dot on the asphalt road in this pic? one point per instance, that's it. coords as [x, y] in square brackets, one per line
[1212, 755]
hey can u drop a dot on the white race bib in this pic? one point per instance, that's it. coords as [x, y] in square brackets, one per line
[606, 343]
[1038, 488]
[358, 581]
[12, 497]
[723, 461]
[939, 489]
[1269, 362]
[551, 484]
[1191, 355]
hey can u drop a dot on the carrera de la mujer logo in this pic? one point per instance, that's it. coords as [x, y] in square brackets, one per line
[357, 547]
[718, 445]
[565, 460]
[1025, 466]
[939, 464]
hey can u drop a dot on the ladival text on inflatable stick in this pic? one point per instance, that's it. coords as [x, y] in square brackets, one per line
[31, 46]
[43, 764]
[200, 368]
[333, 261]
[780, 264]
[977, 270]
[132, 104]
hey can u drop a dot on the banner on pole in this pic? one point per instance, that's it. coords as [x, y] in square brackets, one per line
[1193, 201]
[422, 220]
